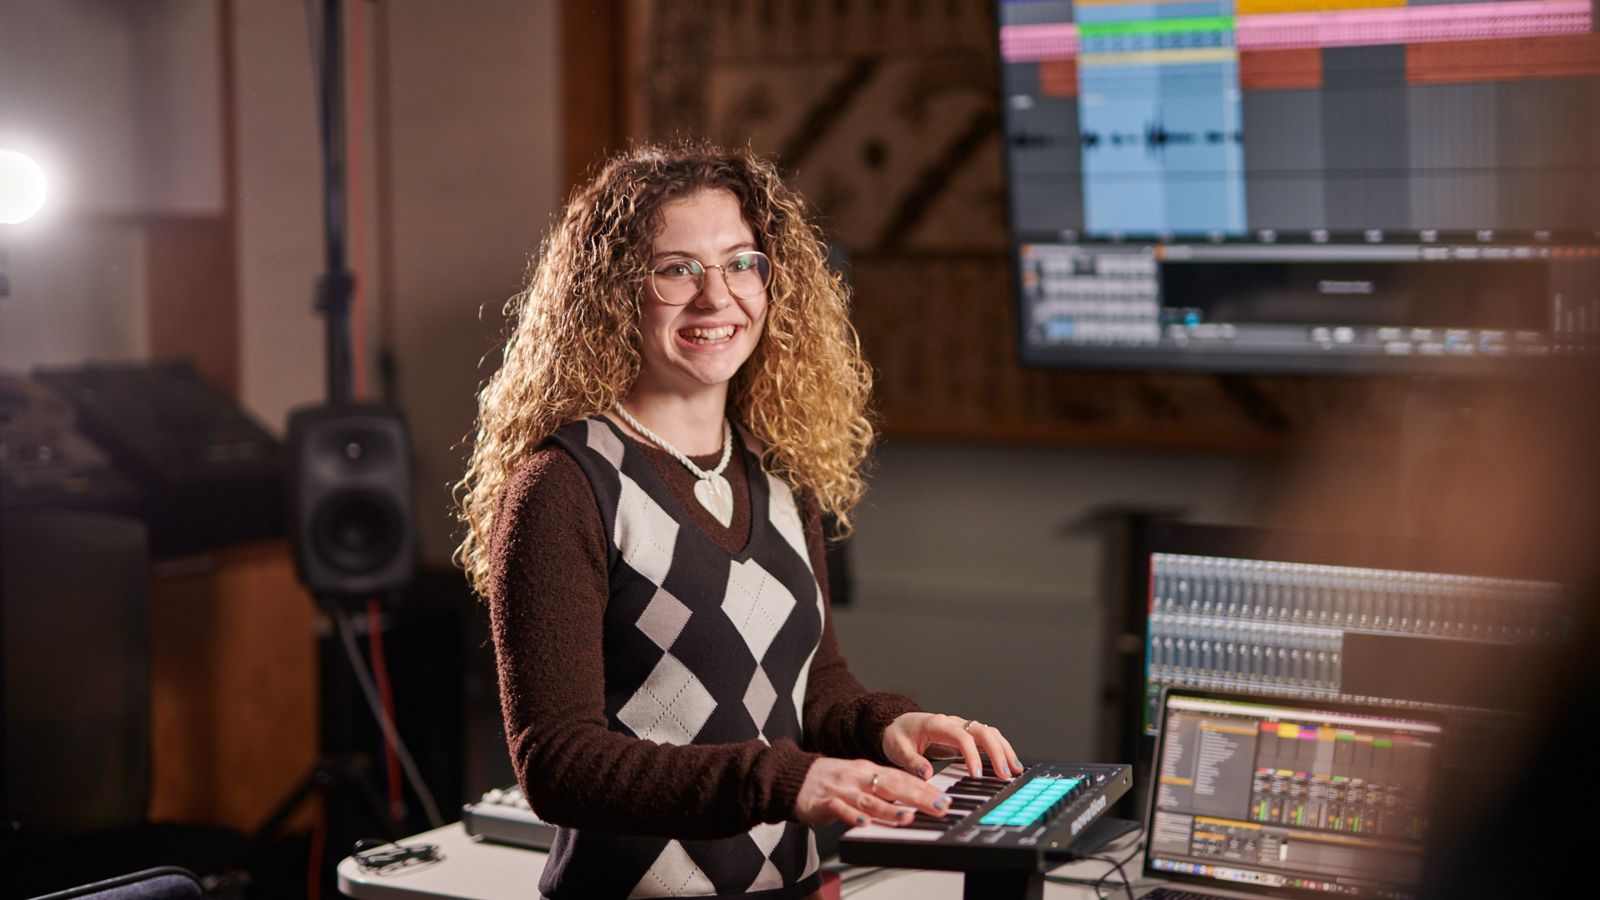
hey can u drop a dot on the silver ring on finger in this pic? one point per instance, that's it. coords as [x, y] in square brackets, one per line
[971, 724]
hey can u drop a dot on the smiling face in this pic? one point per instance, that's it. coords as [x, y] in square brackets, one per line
[701, 344]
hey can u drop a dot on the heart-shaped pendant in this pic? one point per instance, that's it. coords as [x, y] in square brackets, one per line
[716, 495]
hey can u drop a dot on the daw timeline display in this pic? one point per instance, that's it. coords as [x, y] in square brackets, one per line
[1303, 185]
[1204, 119]
[1254, 789]
[1329, 778]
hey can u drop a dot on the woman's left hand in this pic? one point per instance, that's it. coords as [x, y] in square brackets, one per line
[908, 737]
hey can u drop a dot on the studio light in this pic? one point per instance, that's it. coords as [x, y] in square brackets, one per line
[22, 187]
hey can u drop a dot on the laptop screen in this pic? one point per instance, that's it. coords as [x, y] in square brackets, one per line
[1290, 796]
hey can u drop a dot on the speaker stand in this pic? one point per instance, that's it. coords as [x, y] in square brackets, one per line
[343, 779]
[342, 776]
[1003, 886]
[349, 773]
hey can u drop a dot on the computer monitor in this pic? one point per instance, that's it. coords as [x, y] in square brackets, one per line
[1293, 797]
[1303, 185]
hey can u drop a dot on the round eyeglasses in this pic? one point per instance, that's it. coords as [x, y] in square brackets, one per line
[678, 279]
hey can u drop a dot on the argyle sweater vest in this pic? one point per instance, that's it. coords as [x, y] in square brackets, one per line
[701, 647]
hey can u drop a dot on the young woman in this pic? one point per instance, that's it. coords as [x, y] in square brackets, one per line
[681, 398]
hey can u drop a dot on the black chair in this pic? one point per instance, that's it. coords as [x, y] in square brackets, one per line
[165, 883]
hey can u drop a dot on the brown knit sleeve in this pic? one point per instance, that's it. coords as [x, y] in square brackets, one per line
[548, 587]
[841, 717]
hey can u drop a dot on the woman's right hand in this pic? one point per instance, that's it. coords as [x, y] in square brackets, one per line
[855, 791]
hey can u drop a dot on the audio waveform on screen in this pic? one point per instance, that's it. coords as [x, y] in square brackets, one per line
[1156, 137]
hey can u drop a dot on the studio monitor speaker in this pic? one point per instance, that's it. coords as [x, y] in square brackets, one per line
[350, 508]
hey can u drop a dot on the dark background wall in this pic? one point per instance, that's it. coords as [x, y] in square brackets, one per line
[186, 225]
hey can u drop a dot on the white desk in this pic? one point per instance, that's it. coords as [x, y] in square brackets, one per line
[470, 870]
[921, 884]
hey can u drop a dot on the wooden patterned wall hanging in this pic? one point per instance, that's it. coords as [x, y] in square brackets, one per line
[886, 115]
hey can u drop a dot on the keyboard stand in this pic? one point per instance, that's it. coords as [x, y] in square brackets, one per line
[1003, 886]
[1030, 885]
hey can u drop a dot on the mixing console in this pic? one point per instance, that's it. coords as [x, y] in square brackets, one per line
[1289, 629]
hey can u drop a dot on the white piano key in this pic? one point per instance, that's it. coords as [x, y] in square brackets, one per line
[891, 833]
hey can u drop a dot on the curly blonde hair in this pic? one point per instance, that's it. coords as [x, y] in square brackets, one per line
[573, 345]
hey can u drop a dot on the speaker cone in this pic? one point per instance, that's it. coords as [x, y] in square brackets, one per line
[357, 531]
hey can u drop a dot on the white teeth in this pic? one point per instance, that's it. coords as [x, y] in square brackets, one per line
[707, 335]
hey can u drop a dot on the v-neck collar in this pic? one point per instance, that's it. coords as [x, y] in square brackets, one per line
[755, 480]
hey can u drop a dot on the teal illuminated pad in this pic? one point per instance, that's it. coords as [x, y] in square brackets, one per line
[1030, 802]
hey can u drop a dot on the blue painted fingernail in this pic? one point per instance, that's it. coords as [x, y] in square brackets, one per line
[861, 820]
[922, 772]
[942, 804]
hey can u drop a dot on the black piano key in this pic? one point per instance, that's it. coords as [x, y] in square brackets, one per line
[972, 785]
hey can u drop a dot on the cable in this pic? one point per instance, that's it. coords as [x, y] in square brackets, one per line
[370, 691]
[319, 837]
[1126, 884]
[380, 672]
[1097, 883]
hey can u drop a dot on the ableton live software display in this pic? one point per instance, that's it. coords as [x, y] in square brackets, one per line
[1194, 175]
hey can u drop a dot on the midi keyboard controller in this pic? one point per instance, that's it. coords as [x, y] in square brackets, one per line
[1003, 833]
[504, 817]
